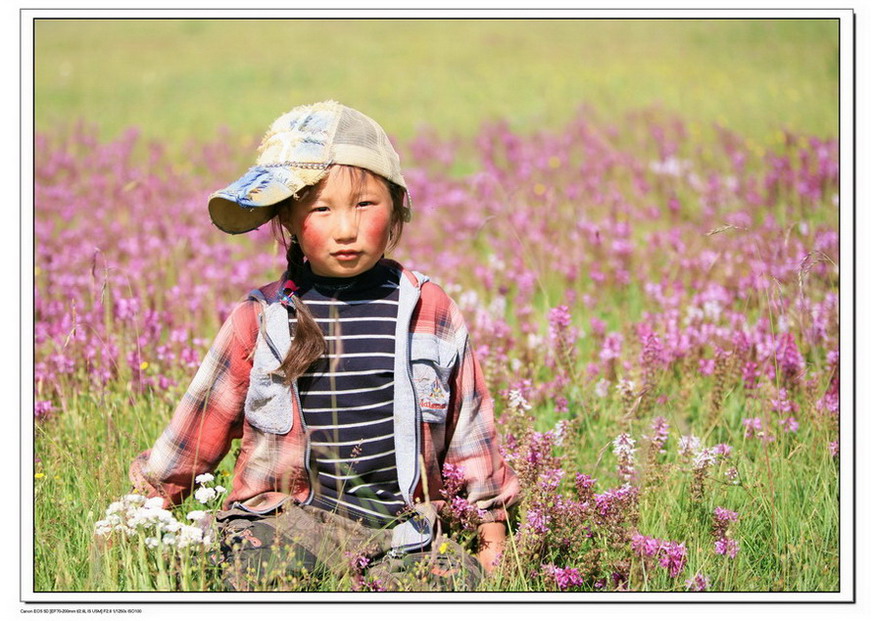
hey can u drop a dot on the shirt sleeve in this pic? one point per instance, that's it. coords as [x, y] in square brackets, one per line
[209, 416]
[474, 447]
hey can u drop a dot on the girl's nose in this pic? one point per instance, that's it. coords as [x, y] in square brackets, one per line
[346, 226]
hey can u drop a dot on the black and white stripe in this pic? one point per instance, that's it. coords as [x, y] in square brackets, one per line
[348, 395]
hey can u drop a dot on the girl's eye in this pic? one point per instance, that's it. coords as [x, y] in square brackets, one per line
[365, 203]
[321, 209]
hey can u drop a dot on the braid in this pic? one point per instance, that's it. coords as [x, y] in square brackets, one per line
[308, 344]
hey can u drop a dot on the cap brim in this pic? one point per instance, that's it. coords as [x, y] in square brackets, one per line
[248, 202]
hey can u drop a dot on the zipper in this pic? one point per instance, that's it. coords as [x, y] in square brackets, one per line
[417, 471]
[311, 492]
[296, 393]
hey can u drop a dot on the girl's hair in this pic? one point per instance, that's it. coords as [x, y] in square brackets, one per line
[308, 344]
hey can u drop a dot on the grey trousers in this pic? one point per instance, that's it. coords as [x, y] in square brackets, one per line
[299, 546]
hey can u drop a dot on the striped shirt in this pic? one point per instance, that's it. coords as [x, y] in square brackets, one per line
[270, 468]
[347, 396]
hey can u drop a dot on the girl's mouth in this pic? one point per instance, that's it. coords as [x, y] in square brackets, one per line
[346, 255]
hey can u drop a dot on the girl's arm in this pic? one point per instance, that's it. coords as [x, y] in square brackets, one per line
[491, 484]
[207, 418]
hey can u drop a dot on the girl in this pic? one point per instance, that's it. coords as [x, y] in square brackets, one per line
[350, 382]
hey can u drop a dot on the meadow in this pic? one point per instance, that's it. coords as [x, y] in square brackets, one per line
[653, 292]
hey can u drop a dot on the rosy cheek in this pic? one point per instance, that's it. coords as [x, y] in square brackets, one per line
[310, 234]
[376, 228]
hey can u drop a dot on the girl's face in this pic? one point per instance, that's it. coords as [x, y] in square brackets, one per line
[341, 225]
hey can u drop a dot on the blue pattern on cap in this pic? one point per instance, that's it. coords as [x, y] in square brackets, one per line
[249, 190]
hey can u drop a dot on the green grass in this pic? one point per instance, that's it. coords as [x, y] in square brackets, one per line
[787, 501]
[177, 79]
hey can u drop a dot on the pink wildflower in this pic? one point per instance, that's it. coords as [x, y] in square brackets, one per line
[698, 583]
[41, 409]
[623, 447]
[611, 348]
[565, 577]
[727, 547]
[752, 425]
[724, 450]
[790, 424]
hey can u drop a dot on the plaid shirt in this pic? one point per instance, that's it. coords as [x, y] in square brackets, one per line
[271, 468]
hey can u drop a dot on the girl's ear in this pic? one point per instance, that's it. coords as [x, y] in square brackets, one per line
[283, 212]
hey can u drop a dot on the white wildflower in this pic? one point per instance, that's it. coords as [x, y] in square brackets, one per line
[152, 542]
[623, 445]
[468, 300]
[205, 494]
[154, 503]
[688, 445]
[196, 515]
[692, 314]
[102, 528]
[535, 342]
[189, 535]
[704, 458]
[497, 306]
[712, 309]
[115, 507]
[220, 489]
[169, 540]
[134, 498]
[517, 401]
[204, 478]
[601, 389]
[625, 385]
[561, 428]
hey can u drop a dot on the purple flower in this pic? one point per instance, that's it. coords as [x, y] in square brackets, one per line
[727, 547]
[670, 554]
[790, 424]
[782, 404]
[559, 317]
[551, 479]
[611, 348]
[724, 450]
[673, 558]
[698, 583]
[538, 521]
[644, 545]
[565, 577]
[752, 425]
[41, 409]
[725, 515]
[660, 432]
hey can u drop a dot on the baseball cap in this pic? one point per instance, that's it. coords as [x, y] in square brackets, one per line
[297, 151]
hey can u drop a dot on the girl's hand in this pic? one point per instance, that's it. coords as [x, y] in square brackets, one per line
[492, 540]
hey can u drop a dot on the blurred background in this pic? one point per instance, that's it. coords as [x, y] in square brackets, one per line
[181, 79]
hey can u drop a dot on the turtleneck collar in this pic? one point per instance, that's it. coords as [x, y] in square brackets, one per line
[331, 286]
